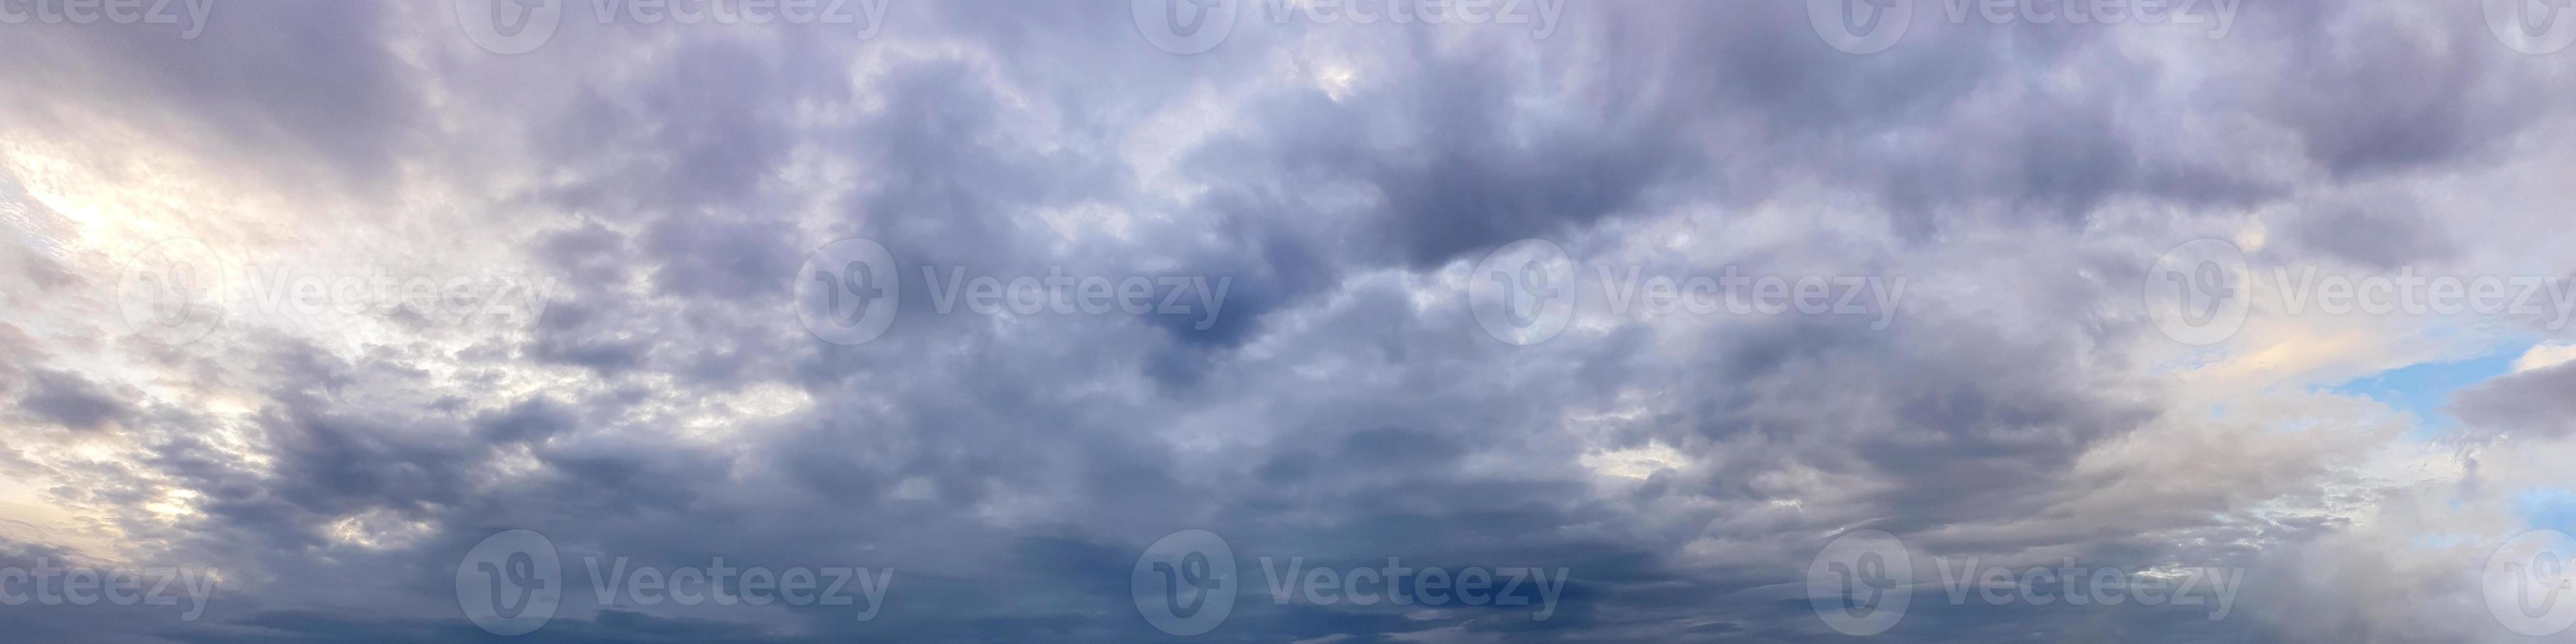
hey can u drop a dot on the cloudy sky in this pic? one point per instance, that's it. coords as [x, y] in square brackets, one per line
[493, 320]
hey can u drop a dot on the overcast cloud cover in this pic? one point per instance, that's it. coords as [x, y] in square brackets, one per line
[645, 351]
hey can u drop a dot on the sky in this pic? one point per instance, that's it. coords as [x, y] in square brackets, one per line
[792, 321]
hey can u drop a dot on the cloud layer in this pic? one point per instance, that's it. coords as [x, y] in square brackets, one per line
[559, 291]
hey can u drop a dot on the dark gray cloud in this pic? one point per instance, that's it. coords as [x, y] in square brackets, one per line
[2535, 402]
[2387, 235]
[68, 400]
